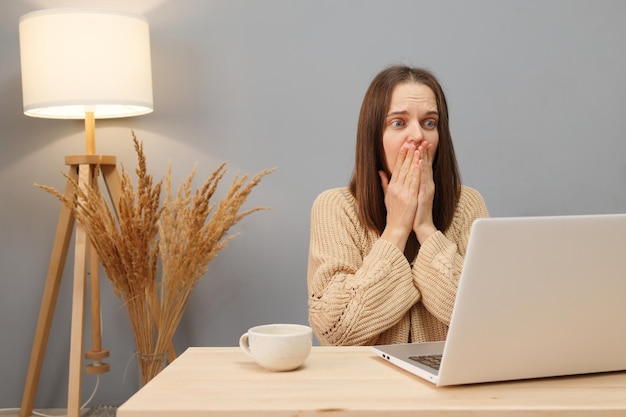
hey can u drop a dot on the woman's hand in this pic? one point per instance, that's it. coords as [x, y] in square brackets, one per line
[401, 195]
[423, 224]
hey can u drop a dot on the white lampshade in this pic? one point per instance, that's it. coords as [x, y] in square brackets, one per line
[83, 60]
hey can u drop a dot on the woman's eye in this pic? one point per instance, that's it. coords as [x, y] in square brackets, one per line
[430, 124]
[397, 123]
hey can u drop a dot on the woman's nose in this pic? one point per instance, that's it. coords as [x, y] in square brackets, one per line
[415, 133]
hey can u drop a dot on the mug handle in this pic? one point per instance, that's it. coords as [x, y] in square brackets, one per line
[243, 344]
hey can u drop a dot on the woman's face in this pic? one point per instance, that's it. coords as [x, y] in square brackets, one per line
[412, 118]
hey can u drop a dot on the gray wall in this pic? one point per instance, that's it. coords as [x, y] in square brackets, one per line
[536, 94]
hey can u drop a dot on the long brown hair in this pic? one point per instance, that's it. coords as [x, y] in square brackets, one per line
[365, 184]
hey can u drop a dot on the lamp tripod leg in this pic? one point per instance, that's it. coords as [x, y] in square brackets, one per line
[96, 354]
[85, 173]
[62, 238]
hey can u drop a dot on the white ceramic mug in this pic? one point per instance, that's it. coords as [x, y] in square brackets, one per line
[278, 347]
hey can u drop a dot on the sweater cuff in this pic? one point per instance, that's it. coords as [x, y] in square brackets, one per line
[386, 250]
[436, 243]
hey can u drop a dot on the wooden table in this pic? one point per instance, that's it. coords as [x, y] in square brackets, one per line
[352, 381]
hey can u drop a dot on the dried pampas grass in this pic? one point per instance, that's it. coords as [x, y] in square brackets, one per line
[181, 235]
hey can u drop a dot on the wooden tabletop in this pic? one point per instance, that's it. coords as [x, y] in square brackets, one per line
[352, 381]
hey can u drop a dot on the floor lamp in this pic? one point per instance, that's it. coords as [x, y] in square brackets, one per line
[80, 64]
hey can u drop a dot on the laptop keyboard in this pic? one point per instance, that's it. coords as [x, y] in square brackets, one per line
[429, 360]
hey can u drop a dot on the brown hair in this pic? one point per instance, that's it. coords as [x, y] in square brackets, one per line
[365, 184]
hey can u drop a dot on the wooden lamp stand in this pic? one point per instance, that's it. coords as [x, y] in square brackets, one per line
[84, 170]
[66, 74]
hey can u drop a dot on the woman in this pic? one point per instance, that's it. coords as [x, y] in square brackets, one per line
[386, 252]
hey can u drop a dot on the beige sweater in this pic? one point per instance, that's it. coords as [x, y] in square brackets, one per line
[362, 289]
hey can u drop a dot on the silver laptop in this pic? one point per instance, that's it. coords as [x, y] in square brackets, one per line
[538, 297]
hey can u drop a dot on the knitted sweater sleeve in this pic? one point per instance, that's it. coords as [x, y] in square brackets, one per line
[353, 296]
[438, 265]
